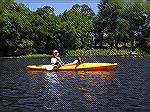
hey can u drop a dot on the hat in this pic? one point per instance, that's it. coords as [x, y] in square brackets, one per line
[55, 51]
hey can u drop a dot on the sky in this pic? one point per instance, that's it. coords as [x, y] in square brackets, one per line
[59, 5]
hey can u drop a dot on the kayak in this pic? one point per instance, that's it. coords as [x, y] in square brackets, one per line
[76, 67]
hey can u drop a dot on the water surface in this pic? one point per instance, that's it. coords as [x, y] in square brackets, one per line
[126, 89]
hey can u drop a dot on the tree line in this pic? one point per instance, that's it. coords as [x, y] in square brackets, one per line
[116, 25]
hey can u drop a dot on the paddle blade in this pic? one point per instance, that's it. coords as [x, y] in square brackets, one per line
[49, 67]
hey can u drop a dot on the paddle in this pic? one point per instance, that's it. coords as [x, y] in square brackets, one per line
[49, 67]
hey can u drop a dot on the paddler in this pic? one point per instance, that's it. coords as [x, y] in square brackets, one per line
[56, 60]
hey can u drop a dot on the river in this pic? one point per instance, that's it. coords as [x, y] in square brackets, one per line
[126, 89]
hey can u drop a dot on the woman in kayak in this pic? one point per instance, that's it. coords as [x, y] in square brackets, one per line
[56, 60]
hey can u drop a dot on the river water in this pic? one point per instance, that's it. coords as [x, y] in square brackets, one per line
[126, 89]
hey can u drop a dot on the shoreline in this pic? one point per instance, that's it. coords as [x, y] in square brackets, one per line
[23, 57]
[69, 55]
[85, 52]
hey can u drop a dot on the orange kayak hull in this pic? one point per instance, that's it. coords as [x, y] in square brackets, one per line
[76, 67]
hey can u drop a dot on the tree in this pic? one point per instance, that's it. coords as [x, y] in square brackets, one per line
[45, 10]
[106, 21]
[122, 23]
[85, 10]
[75, 27]
[15, 29]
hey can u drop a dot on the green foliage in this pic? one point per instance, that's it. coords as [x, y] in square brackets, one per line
[45, 10]
[25, 47]
[106, 52]
[85, 10]
[122, 23]
[75, 27]
[14, 28]
[117, 23]
[33, 55]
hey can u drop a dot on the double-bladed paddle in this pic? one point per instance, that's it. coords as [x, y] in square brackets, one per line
[50, 67]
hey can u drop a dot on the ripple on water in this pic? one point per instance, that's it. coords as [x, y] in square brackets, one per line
[123, 90]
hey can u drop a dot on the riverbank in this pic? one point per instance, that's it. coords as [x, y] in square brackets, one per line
[102, 52]
[29, 56]
[91, 52]
[107, 52]
[34, 55]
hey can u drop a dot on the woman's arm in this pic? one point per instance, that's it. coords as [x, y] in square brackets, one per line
[60, 61]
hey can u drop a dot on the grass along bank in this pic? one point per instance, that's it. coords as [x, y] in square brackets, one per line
[91, 52]
[103, 52]
[33, 55]
[84, 52]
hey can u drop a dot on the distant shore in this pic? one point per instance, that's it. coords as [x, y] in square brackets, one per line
[106, 52]
[91, 52]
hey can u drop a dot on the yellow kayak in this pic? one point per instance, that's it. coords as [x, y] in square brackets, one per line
[74, 67]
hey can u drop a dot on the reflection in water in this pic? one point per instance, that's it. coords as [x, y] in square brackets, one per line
[74, 86]
[125, 90]
[103, 75]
